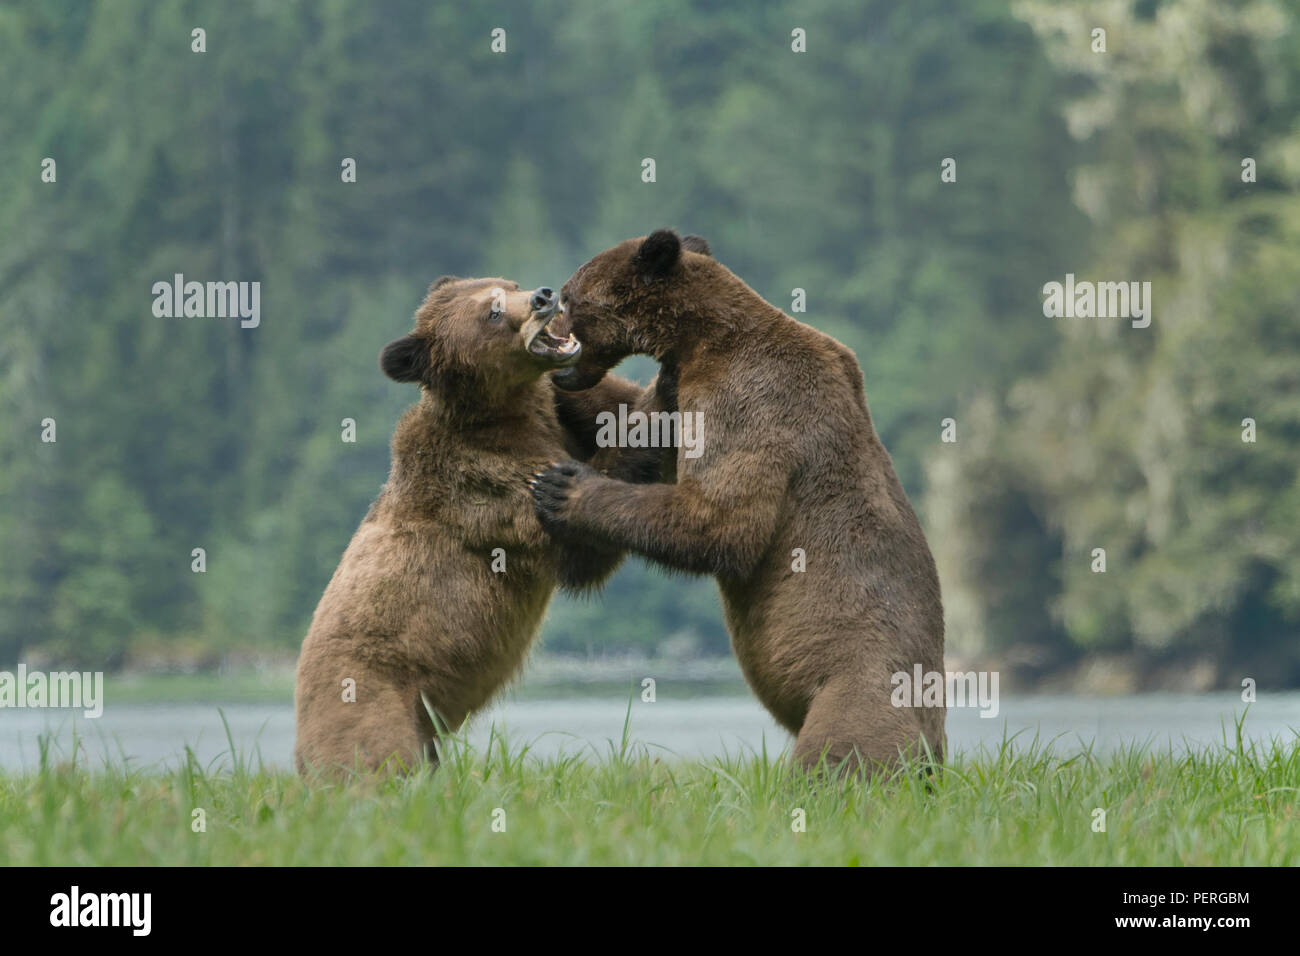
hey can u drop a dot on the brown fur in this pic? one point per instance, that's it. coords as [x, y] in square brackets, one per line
[414, 608]
[790, 460]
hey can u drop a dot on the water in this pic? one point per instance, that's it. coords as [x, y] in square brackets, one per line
[151, 735]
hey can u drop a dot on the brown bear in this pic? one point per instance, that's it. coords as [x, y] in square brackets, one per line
[828, 586]
[443, 587]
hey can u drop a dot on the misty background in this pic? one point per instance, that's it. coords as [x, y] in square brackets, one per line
[817, 170]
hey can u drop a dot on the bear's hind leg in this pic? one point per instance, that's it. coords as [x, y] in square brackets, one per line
[385, 728]
[853, 723]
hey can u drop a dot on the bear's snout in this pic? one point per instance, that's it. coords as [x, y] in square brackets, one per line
[543, 300]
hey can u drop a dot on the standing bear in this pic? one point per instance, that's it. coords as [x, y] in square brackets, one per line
[828, 586]
[443, 587]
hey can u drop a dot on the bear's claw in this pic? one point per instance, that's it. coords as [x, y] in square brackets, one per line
[551, 490]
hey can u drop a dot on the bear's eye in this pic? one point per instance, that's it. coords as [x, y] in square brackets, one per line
[496, 313]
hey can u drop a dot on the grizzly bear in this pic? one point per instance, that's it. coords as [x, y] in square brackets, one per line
[828, 586]
[444, 585]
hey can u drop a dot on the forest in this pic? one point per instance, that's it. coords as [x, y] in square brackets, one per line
[908, 177]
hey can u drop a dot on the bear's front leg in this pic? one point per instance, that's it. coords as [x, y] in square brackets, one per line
[721, 522]
[580, 414]
[584, 565]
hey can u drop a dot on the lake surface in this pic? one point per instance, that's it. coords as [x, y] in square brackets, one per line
[152, 735]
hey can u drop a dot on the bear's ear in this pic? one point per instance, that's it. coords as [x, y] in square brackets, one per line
[405, 360]
[697, 244]
[657, 255]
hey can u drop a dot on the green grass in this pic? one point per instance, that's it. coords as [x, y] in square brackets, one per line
[1023, 804]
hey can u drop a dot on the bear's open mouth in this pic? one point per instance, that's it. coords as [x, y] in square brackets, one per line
[555, 350]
